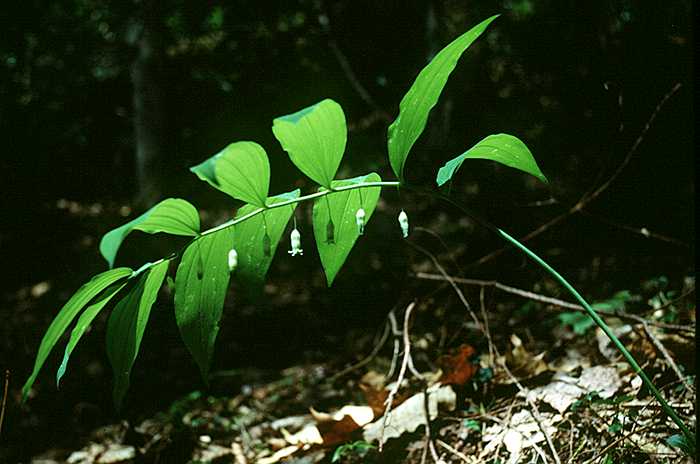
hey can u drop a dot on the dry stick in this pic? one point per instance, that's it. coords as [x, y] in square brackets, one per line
[533, 406]
[639, 230]
[487, 330]
[451, 280]
[557, 302]
[367, 359]
[452, 450]
[626, 436]
[397, 345]
[429, 445]
[4, 398]
[660, 346]
[588, 197]
[554, 301]
[402, 373]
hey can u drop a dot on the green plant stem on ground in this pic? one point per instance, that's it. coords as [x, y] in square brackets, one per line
[606, 329]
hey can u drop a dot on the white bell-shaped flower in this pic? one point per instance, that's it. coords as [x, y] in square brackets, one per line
[403, 222]
[295, 238]
[232, 260]
[360, 220]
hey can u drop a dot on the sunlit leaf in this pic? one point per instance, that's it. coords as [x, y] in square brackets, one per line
[249, 235]
[334, 215]
[423, 95]
[502, 148]
[172, 216]
[241, 170]
[127, 324]
[315, 139]
[66, 315]
[201, 283]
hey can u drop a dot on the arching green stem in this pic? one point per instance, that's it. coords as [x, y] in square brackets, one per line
[690, 437]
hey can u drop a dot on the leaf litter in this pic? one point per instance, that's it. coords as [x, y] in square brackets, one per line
[574, 398]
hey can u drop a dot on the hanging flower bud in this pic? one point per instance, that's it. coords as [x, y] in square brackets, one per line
[295, 238]
[360, 220]
[403, 222]
[232, 260]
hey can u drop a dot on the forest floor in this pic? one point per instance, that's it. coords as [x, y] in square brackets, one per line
[459, 371]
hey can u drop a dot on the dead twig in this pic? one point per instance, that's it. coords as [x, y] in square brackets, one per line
[639, 230]
[667, 356]
[451, 280]
[591, 195]
[402, 373]
[4, 398]
[555, 301]
[367, 359]
[535, 411]
[460, 455]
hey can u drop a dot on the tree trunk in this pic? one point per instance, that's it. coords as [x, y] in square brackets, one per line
[149, 114]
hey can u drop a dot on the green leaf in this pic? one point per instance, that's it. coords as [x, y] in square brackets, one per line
[315, 139]
[201, 283]
[66, 315]
[339, 208]
[248, 238]
[502, 148]
[127, 324]
[579, 322]
[681, 442]
[241, 170]
[83, 324]
[423, 95]
[172, 216]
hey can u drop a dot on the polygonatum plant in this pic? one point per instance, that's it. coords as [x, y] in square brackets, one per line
[315, 140]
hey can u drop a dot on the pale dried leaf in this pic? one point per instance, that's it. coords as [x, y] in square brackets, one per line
[279, 455]
[410, 414]
[521, 433]
[564, 390]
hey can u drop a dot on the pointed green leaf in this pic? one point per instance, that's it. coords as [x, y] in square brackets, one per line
[127, 324]
[423, 95]
[66, 315]
[502, 148]
[241, 170]
[249, 235]
[201, 283]
[339, 209]
[172, 216]
[315, 139]
[83, 324]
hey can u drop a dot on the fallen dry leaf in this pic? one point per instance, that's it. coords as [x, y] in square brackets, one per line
[521, 432]
[457, 368]
[408, 416]
[522, 363]
[330, 429]
[564, 390]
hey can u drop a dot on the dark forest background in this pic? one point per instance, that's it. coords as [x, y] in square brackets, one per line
[104, 106]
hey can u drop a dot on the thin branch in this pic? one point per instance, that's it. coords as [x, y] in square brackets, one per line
[355, 82]
[588, 197]
[662, 349]
[643, 231]
[535, 411]
[402, 372]
[460, 455]
[451, 280]
[4, 398]
[367, 359]
[555, 301]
